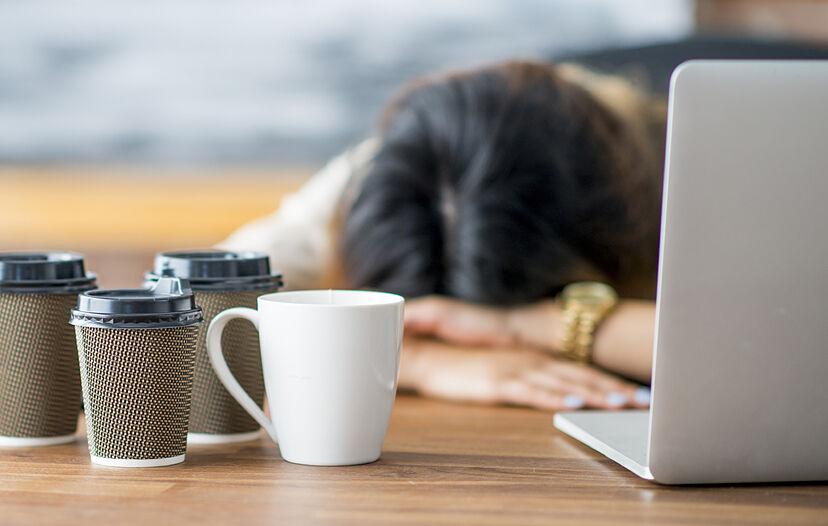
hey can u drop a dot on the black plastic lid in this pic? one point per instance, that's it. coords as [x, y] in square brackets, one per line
[44, 272]
[217, 269]
[169, 303]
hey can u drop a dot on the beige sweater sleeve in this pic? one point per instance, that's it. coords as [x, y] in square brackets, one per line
[297, 236]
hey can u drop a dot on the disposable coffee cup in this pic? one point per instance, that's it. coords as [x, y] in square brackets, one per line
[40, 388]
[222, 280]
[136, 349]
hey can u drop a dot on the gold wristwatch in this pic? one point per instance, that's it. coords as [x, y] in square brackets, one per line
[583, 306]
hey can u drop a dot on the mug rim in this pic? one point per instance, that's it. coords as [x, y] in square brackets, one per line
[383, 299]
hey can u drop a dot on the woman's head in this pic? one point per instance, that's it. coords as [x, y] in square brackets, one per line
[500, 186]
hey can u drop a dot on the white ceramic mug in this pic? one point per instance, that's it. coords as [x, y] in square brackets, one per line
[330, 360]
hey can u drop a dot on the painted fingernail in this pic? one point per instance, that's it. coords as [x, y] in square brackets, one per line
[573, 401]
[616, 399]
[642, 396]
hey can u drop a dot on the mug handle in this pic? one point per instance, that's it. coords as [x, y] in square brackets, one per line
[216, 354]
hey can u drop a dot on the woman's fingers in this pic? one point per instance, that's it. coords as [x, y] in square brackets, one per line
[578, 395]
[522, 392]
[615, 393]
[588, 395]
[563, 397]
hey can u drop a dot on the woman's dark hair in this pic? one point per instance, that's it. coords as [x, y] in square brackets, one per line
[501, 186]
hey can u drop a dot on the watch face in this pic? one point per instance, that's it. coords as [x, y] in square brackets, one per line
[590, 294]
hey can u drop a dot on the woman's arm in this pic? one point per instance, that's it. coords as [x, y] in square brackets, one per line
[623, 342]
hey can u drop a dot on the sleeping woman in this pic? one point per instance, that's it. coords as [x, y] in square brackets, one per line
[517, 208]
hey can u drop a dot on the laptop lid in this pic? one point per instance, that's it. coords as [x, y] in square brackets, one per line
[740, 385]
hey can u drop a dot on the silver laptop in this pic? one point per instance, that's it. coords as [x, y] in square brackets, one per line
[740, 373]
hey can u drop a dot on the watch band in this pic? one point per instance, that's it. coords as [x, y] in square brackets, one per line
[581, 314]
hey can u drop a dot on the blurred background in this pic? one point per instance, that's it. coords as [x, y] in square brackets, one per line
[130, 127]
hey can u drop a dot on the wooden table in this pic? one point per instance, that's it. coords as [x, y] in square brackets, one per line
[442, 463]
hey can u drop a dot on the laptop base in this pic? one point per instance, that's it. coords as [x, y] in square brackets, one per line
[619, 435]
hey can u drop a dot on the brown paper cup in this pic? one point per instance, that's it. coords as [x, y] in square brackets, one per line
[39, 383]
[215, 416]
[137, 385]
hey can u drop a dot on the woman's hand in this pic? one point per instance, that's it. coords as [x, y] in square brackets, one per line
[464, 323]
[511, 376]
